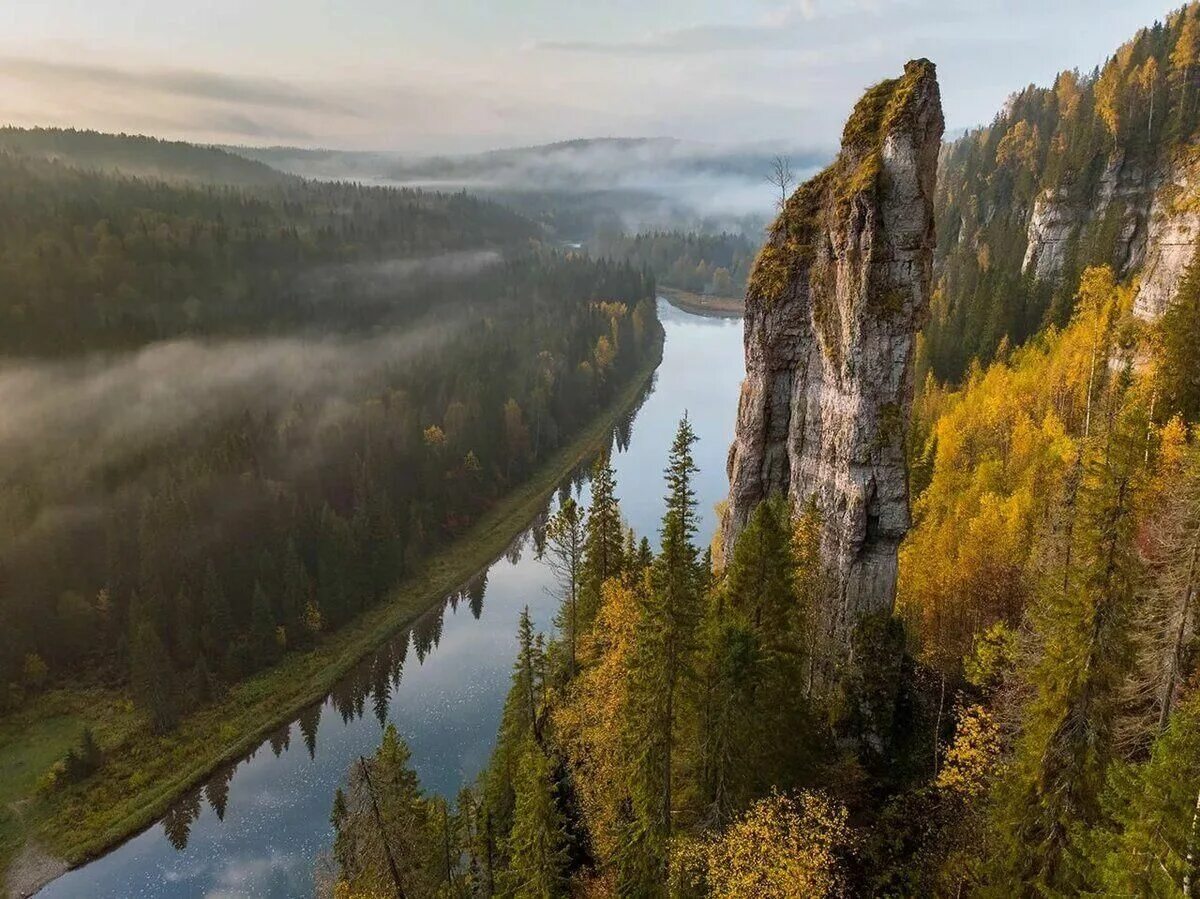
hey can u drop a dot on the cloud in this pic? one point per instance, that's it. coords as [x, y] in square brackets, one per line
[190, 83]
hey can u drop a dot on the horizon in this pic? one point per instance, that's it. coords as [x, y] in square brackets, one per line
[462, 80]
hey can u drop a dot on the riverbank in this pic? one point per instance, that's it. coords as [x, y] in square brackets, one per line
[143, 775]
[703, 304]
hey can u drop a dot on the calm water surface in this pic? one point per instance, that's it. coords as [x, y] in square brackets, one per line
[261, 827]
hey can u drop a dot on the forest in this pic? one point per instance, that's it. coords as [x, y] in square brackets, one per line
[702, 263]
[241, 414]
[1024, 724]
[1092, 141]
[1032, 689]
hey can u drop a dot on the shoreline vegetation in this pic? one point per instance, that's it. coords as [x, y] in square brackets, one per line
[143, 774]
[704, 304]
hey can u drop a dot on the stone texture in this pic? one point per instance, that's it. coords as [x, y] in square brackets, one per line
[1051, 226]
[1155, 234]
[1171, 242]
[833, 307]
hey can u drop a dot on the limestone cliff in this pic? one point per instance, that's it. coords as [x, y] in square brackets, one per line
[833, 307]
[1151, 213]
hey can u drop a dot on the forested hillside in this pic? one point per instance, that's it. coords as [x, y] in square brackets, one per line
[1093, 170]
[702, 263]
[138, 156]
[90, 261]
[352, 377]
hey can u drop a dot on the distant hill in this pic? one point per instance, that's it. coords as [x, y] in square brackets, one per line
[581, 187]
[138, 156]
[582, 165]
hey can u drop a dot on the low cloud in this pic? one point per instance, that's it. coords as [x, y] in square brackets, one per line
[187, 83]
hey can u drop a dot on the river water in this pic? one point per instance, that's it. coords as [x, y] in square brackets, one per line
[261, 827]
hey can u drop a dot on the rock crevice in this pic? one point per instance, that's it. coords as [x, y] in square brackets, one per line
[837, 296]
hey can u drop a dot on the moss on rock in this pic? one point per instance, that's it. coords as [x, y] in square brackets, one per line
[858, 170]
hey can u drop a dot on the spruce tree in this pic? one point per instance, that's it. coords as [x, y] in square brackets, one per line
[603, 555]
[263, 642]
[152, 679]
[217, 629]
[662, 658]
[565, 544]
[1083, 625]
[1179, 369]
[537, 844]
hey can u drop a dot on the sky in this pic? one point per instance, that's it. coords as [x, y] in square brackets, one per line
[466, 75]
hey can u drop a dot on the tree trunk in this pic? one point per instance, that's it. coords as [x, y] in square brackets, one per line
[1189, 589]
[1190, 860]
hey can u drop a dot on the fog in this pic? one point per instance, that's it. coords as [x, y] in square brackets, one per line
[662, 183]
[105, 410]
[397, 277]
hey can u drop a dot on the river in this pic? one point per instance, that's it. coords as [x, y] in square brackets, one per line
[261, 827]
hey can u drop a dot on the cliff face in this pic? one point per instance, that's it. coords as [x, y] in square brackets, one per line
[833, 307]
[1154, 223]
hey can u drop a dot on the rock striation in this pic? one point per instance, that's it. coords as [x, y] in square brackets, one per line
[837, 296]
[1152, 212]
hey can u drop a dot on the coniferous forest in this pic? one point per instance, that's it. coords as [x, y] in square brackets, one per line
[187, 517]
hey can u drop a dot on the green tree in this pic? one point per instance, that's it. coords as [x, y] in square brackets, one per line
[662, 658]
[603, 546]
[263, 642]
[1083, 626]
[1179, 369]
[537, 844]
[565, 544]
[387, 840]
[152, 679]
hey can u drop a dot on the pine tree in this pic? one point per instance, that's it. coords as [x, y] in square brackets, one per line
[537, 844]
[662, 658]
[217, 629]
[1148, 841]
[152, 678]
[752, 661]
[603, 555]
[523, 713]
[386, 837]
[564, 543]
[294, 590]
[1179, 368]
[263, 642]
[1067, 739]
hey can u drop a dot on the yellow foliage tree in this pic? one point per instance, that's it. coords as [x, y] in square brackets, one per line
[589, 722]
[1000, 447]
[783, 847]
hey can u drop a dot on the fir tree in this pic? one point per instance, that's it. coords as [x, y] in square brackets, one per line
[603, 555]
[537, 843]
[564, 542]
[152, 678]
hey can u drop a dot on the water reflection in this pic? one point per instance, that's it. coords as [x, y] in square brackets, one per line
[258, 827]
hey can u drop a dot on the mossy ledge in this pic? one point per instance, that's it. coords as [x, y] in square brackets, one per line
[857, 171]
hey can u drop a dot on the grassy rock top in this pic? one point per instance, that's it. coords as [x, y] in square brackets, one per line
[885, 108]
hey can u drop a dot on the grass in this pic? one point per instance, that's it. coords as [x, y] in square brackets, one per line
[704, 304]
[143, 774]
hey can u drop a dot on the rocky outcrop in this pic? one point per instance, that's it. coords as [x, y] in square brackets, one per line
[1120, 203]
[1152, 218]
[833, 307]
[1053, 224]
[1171, 242]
